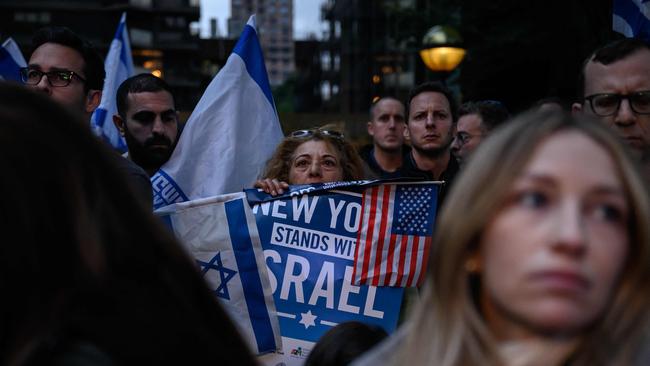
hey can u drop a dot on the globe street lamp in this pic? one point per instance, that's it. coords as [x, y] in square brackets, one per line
[441, 49]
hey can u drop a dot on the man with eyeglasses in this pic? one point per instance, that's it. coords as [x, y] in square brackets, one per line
[68, 69]
[475, 121]
[615, 87]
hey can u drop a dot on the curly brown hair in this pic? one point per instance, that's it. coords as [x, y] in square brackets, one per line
[280, 163]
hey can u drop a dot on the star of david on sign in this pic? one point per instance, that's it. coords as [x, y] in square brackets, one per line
[225, 274]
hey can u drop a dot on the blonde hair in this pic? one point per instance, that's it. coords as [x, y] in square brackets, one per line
[447, 326]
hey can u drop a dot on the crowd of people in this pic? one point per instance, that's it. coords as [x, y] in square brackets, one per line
[541, 254]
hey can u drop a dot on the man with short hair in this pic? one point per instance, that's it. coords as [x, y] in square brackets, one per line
[475, 121]
[615, 87]
[430, 126]
[69, 70]
[148, 120]
[383, 159]
[66, 68]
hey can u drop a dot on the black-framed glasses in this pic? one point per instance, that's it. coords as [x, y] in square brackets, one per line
[608, 104]
[57, 78]
[308, 133]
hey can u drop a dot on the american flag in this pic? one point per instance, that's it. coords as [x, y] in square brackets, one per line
[395, 235]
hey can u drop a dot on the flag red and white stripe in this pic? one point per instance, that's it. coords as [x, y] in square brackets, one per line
[391, 253]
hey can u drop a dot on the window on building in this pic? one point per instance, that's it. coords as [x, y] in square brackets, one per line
[141, 3]
[325, 90]
[325, 60]
[43, 17]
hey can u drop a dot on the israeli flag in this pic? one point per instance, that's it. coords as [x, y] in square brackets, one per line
[632, 18]
[119, 67]
[11, 60]
[221, 234]
[230, 135]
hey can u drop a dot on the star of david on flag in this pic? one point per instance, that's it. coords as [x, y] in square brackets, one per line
[395, 236]
[221, 235]
[225, 274]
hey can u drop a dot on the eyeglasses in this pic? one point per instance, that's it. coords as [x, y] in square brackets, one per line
[608, 104]
[464, 137]
[308, 133]
[56, 78]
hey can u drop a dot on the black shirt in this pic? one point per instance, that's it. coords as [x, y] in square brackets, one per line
[371, 168]
[410, 169]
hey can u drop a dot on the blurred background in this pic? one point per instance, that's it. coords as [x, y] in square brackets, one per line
[327, 60]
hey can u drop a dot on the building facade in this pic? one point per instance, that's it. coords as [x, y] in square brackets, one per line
[274, 20]
[159, 30]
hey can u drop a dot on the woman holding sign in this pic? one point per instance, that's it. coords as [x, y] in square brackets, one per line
[541, 256]
[310, 156]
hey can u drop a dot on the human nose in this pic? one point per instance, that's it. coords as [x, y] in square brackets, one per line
[158, 126]
[455, 144]
[44, 84]
[625, 116]
[570, 232]
[430, 120]
[314, 169]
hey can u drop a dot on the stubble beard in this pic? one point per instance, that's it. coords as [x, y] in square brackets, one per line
[435, 152]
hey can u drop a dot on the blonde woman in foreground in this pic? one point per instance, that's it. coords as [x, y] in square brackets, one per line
[542, 254]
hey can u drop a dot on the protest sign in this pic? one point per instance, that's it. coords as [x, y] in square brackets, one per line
[309, 244]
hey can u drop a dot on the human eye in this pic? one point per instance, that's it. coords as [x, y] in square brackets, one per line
[641, 101]
[532, 199]
[609, 212]
[33, 75]
[330, 163]
[419, 116]
[606, 101]
[169, 117]
[301, 163]
[441, 115]
[62, 75]
[462, 137]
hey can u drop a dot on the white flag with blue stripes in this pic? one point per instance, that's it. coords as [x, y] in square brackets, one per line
[230, 135]
[221, 234]
[119, 67]
[11, 60]
[632, 18]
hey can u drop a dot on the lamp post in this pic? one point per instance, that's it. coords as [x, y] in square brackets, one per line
[441, 49]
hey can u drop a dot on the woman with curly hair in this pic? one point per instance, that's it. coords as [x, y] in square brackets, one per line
[310, 156]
